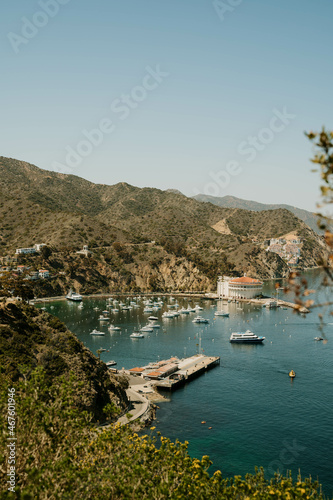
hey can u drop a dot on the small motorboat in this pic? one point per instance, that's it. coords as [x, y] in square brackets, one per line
[168, 314]
[146, 328]
[154, 325]
[318, 338]
[75, 297]
[292, 374]
[103, 318]
[111, 363]
[114, 328]
[137, 335]
[96, 332]
[200, 319]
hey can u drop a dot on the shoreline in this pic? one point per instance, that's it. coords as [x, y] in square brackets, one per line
[213, 297]
[199, 295]
[124, 294]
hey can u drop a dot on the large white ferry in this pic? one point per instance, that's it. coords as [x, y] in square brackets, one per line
[247, 337]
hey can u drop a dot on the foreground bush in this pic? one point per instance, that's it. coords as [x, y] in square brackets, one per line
[61, 455]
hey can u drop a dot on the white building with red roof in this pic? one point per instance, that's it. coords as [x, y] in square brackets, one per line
[238, 288]
[43, 273]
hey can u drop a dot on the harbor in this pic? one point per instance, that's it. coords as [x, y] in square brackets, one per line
[250, 389]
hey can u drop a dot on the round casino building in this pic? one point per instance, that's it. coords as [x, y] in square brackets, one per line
[238, 288]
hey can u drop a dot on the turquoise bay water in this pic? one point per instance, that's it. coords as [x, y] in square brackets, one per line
[259, 417]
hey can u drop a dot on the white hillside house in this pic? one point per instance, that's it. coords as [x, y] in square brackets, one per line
[36, 248]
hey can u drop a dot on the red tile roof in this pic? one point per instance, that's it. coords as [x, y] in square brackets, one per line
[246, 281]
[154, 374]
[136, 370]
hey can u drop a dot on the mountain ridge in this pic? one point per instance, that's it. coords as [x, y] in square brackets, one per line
[229, 201]
[141, 238]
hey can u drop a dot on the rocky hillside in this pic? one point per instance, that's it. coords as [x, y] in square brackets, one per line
[233, 202]
[30, 338]
[141, 239]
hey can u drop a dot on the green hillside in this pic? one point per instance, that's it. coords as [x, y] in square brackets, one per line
[31, 338]
[141, 239]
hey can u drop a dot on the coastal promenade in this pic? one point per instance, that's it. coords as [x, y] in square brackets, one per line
[280, 303]
[263, 301]
[139, 405]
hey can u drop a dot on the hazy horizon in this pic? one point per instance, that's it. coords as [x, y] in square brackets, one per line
[209, 98]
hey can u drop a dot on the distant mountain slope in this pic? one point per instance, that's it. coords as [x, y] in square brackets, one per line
[194, 242]
[232, 202]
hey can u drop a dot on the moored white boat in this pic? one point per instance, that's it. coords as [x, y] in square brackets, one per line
[154, 325]
[191, 309]
[114, 328]
[200, 319]
[168, 314]
[146, 328]
[137, 335]
[96, 332]
[247, 337]
[75, 297]
[103, 318]
[111, 363]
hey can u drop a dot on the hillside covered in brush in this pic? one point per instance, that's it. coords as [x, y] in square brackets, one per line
[31, 338]
[140, 238]
[233, 202]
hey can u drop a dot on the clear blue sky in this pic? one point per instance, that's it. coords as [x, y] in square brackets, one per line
[83, 64]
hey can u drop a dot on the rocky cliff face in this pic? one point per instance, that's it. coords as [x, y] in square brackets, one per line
[257, 263]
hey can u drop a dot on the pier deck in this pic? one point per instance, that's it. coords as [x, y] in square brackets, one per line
[189, 368]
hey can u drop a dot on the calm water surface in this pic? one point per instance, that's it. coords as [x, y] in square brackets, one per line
[257, 414]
